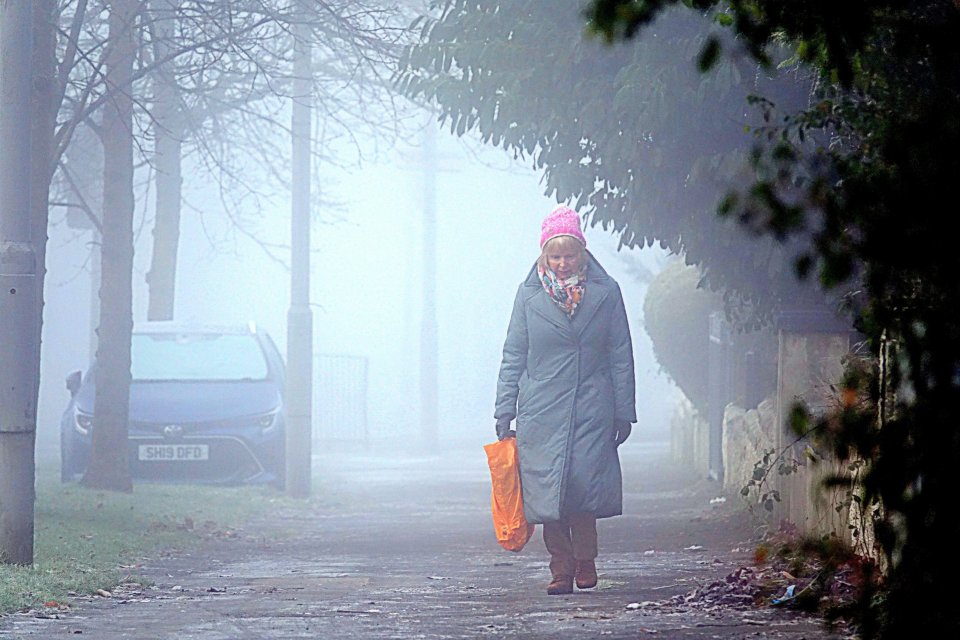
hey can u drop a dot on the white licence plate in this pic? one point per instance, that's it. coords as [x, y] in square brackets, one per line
[174, 452]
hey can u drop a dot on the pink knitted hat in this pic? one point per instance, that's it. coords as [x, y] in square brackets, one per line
[562, 221]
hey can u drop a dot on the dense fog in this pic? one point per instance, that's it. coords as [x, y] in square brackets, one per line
[366, 286]
[262, 334]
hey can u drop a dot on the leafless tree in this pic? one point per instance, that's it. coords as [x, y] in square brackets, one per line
[157, 81]
[230, 112]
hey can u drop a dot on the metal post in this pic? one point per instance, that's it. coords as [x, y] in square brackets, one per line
[300, 317]
[19, 309]
[428, 320]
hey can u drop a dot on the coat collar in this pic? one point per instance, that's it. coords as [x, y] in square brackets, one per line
[598, 287]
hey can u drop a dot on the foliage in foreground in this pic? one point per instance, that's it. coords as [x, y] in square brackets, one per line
[88, 540]
[870, 203]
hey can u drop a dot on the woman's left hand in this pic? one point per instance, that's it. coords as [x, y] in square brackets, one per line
[623, 432]
[503, 429]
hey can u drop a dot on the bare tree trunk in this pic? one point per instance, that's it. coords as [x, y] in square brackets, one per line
[19, 318]
[168, 139]
[43, 125]
[41, 138]
[108, 467]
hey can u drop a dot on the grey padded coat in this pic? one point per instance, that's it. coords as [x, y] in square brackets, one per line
[566, 380]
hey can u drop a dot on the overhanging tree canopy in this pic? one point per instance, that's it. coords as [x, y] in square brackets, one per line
[633, 134]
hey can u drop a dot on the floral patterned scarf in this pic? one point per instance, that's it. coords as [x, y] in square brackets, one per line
[566, 293]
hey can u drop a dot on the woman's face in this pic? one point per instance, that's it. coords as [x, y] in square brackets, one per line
[563, 259]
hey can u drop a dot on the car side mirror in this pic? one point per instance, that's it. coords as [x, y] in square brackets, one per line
[73, 382]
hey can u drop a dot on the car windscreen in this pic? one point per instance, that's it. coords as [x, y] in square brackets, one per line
[197, 357]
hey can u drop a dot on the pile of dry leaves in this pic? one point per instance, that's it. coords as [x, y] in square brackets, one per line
[821, 577]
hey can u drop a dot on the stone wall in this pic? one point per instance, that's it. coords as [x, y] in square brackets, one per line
[746, 436]
[804, 503]
[810, 368]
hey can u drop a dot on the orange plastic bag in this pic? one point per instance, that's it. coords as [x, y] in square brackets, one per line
[509, 522]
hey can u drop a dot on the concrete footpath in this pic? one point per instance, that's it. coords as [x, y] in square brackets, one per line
[403, 547]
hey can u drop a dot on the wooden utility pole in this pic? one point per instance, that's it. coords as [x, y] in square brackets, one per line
[168, 131]
[19, 308]
[428, 309]
[299, 391]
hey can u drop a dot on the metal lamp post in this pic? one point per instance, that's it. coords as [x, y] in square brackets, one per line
[300, 317]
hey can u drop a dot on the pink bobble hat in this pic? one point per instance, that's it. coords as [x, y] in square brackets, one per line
[562, 221]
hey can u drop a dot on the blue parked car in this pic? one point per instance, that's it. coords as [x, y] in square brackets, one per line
[206, 406]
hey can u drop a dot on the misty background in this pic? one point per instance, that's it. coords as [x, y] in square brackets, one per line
[366, 282]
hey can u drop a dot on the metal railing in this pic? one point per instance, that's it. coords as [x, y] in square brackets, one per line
[340, 400]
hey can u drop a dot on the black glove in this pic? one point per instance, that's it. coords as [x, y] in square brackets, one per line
[623, 431]
[503, 429]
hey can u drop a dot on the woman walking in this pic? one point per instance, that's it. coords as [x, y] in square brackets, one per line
[567, 379]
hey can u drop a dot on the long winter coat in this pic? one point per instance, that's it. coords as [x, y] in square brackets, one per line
[566, 380]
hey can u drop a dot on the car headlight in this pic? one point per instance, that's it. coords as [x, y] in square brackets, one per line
[269, 421]
[82, 422]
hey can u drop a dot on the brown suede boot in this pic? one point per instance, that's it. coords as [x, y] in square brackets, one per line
[586, 574]
[560, 585]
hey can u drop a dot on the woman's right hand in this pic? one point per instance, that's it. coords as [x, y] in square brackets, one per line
[503, 429]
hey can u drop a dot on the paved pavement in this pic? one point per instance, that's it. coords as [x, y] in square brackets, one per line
[404, 548]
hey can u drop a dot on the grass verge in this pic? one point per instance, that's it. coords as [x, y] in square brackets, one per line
[88, 540]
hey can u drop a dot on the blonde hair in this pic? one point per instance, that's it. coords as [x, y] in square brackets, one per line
[562, 243]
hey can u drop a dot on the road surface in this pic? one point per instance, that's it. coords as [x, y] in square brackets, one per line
[403, 547]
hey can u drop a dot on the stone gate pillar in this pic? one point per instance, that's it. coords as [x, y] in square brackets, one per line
[812, 347]
[719, 390]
